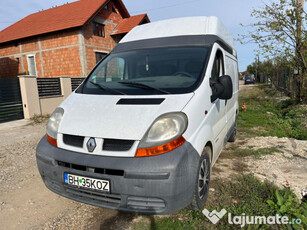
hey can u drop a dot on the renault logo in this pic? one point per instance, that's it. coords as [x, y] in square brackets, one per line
[91, 144]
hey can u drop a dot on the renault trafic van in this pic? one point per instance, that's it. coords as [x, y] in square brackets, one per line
[143, 130]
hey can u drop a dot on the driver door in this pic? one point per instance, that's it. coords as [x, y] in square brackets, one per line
[218, 105]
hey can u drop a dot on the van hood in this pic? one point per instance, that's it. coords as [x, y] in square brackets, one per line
[102, 116]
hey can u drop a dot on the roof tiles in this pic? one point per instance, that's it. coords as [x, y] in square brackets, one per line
[129, 23]
[58, 18]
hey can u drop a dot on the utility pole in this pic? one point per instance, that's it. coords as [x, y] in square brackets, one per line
[299, 45]
[300, 10]
[299, 19]
[257, 65]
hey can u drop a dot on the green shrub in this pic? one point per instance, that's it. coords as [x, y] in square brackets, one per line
[243, 194]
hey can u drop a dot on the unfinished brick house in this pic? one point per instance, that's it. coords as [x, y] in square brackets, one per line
[67, 40]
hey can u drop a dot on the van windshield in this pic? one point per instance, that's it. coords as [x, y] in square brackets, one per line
[148, 71]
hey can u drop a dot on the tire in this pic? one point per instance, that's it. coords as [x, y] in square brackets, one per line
[233, 135]
[203, 181]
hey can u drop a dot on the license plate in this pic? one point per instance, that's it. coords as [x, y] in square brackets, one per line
[87, 182]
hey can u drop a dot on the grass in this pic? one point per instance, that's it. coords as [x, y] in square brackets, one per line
[268, 115]
[244, 194]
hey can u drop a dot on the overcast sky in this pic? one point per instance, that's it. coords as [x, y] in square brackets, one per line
[231, 12]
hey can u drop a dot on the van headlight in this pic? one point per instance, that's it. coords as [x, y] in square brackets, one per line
[53, 125]
[164, 135]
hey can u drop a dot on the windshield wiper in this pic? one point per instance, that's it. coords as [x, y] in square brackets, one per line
[103, 87]
[142, 85]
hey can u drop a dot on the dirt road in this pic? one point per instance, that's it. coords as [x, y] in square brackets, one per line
[286, 168]
[25, 202]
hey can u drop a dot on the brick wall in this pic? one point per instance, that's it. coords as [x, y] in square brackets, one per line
[91, 39]
[115, 17]
[29, 45]
[57, 55]
[10, 63]
[9, 49]
[9, 67]
[100, 44]
[60, 39]
[62, 62]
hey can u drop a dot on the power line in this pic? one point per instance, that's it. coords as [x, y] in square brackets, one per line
[163, 7]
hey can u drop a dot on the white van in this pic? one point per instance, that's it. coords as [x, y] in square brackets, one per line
[143, 130]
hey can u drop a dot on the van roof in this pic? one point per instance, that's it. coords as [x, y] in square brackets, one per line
[199, 25]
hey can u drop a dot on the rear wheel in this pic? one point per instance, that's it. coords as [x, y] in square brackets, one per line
[233, 135]
[203, 180]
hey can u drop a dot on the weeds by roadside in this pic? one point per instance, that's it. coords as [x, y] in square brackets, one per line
[269, 115]
[37, 119]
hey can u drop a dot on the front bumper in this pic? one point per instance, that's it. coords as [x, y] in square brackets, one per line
[157, 185]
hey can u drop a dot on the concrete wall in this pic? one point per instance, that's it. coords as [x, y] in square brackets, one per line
[35, 105]
[49, 104]
[29, 95]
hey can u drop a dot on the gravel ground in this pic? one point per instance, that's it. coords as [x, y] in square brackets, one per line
[25, 202]
[288, 168]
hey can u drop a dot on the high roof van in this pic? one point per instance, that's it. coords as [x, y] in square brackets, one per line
[143, 130]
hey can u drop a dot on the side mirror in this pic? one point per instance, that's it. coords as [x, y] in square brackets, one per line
[222, 88]
[228, 90]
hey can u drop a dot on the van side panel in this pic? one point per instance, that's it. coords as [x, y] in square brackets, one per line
[202, 113]
[199, 130]
[232, 104]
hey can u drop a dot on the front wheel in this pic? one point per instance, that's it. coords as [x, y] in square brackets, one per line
[203, 180]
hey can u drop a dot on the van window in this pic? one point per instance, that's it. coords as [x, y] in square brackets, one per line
[218, 66]
[149, 71]
[115, 69]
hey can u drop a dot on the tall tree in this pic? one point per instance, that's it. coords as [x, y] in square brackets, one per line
[279, 30]
[261, 67]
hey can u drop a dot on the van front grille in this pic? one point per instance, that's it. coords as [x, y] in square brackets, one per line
[73, 140]
[117, 145]
[108, 199]
[114, 172]
[108, 144]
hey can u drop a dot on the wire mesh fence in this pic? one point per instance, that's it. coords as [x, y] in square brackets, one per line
[285, 81]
